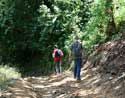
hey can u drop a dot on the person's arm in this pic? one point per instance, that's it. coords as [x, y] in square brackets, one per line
[82, 50]
[61, 53]
[70, 56]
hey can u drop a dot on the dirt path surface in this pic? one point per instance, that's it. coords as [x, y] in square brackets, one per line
[92, 85]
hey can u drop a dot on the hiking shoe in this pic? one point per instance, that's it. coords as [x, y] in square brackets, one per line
[79, 80]
[75, 77]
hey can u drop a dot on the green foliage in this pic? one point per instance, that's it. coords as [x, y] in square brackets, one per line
[30, 28]
[96, 26]
[99, 26]
[7, 74]
[119, 12]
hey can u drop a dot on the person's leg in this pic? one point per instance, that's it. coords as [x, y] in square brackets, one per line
[75, 68]
[59, 69]
[79, 62]
[60, 63]
[56, 67]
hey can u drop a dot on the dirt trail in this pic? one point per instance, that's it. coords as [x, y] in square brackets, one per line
[92, 85]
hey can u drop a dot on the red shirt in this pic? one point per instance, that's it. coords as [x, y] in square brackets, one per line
[57, 58]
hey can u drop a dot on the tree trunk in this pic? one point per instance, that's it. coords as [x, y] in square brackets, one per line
[111, 26]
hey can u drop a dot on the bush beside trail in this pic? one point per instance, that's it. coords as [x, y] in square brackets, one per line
[7, 75]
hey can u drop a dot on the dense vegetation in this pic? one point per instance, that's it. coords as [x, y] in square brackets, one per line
[30, 28]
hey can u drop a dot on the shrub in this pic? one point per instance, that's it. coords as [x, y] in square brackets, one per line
[7, 74]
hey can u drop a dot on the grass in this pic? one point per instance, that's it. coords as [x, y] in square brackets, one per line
[7, 74]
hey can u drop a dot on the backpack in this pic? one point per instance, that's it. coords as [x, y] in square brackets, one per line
[57, 53]
[77, 47]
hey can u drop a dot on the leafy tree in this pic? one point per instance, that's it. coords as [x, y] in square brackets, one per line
[30, 28]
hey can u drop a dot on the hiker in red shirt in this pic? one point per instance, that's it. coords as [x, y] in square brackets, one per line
[57, 56]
